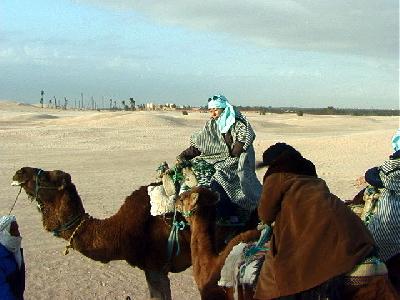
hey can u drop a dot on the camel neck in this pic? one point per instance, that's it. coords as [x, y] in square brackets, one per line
[203, 235]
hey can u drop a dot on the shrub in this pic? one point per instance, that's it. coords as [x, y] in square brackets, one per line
[184, 112]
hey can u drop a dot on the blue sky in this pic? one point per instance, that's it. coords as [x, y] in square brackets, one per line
[280, 53]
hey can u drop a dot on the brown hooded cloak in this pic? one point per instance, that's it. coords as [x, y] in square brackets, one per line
[316, 236]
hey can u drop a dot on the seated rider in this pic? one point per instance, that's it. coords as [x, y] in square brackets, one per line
[226, 143]
[384, 224]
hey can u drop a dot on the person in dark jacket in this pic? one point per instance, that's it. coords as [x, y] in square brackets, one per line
[316, 241]
[12, 267]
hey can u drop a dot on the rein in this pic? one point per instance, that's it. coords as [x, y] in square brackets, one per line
[15, 202]
[173, 238]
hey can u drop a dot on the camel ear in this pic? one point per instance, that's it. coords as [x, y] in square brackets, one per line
[66, 178]
[193, 199]
[59, 177]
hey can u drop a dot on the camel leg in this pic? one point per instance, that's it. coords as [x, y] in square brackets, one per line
[158, 284]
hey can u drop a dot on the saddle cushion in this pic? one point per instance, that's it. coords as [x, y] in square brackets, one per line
[159, 201]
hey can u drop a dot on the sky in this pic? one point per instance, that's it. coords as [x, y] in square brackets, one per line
[304, 53]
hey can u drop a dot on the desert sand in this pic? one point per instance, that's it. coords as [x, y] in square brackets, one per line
[109, 154]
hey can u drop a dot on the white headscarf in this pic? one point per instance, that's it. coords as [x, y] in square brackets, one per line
[396, 141]
[12, 243]
[227, 118]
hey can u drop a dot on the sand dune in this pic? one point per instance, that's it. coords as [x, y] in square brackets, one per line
[108, 154]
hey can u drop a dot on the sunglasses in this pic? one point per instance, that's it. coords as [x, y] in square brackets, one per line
[213, 98]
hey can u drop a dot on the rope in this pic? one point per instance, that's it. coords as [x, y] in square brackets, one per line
[66, 251]
[259, 246]
[173, 238]
[12, 207]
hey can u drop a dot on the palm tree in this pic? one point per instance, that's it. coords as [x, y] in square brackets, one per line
[132, 102]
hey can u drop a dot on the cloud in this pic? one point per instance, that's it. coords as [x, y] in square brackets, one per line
[54, 51]
[360, 27]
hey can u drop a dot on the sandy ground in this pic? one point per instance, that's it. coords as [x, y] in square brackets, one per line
[109, 154]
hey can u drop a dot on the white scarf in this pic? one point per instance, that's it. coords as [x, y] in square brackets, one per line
[12, 243]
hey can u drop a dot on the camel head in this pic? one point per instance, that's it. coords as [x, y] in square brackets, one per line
[196, 201]
[54, 193]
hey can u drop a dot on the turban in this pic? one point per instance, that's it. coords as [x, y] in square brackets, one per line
[10, 242]
[396, 141]
[228, 116]
[5, 222]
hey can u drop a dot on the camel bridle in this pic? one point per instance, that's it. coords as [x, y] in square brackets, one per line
[67, 225]
[39, 187]
[191, 212]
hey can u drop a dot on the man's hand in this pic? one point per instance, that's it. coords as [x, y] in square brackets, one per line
[360, 182]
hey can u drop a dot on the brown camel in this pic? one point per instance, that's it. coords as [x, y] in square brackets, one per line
[119, 237]
[131, 234]
[198, 207]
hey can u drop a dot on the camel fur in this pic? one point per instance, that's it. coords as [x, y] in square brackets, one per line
[131, 234]
[198, 205]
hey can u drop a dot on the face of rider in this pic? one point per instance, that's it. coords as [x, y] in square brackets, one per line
[215, 112]
[14, 231]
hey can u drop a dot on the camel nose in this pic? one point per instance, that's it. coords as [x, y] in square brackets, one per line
[16, 178]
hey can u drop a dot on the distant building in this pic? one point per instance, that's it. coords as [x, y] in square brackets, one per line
[150, 106]
[166, 106]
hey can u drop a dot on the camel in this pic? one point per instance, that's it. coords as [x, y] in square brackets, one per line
[198, 207]
[131, 234]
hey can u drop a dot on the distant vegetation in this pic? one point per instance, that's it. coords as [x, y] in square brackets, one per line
[330, 110]
[131, 105]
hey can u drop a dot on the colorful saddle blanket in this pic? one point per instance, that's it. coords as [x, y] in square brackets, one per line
[240, 269]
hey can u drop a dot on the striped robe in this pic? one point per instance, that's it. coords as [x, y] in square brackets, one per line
[385, 223]
[235, 174]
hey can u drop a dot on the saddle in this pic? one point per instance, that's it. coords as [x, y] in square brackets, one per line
[176, 180]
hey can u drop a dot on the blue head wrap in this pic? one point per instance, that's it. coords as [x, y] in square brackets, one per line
[228, 116]
[396, 141]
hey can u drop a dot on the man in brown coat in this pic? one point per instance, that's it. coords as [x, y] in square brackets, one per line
[316, 237]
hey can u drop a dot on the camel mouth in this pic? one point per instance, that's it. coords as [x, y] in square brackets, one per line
[16, 183]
